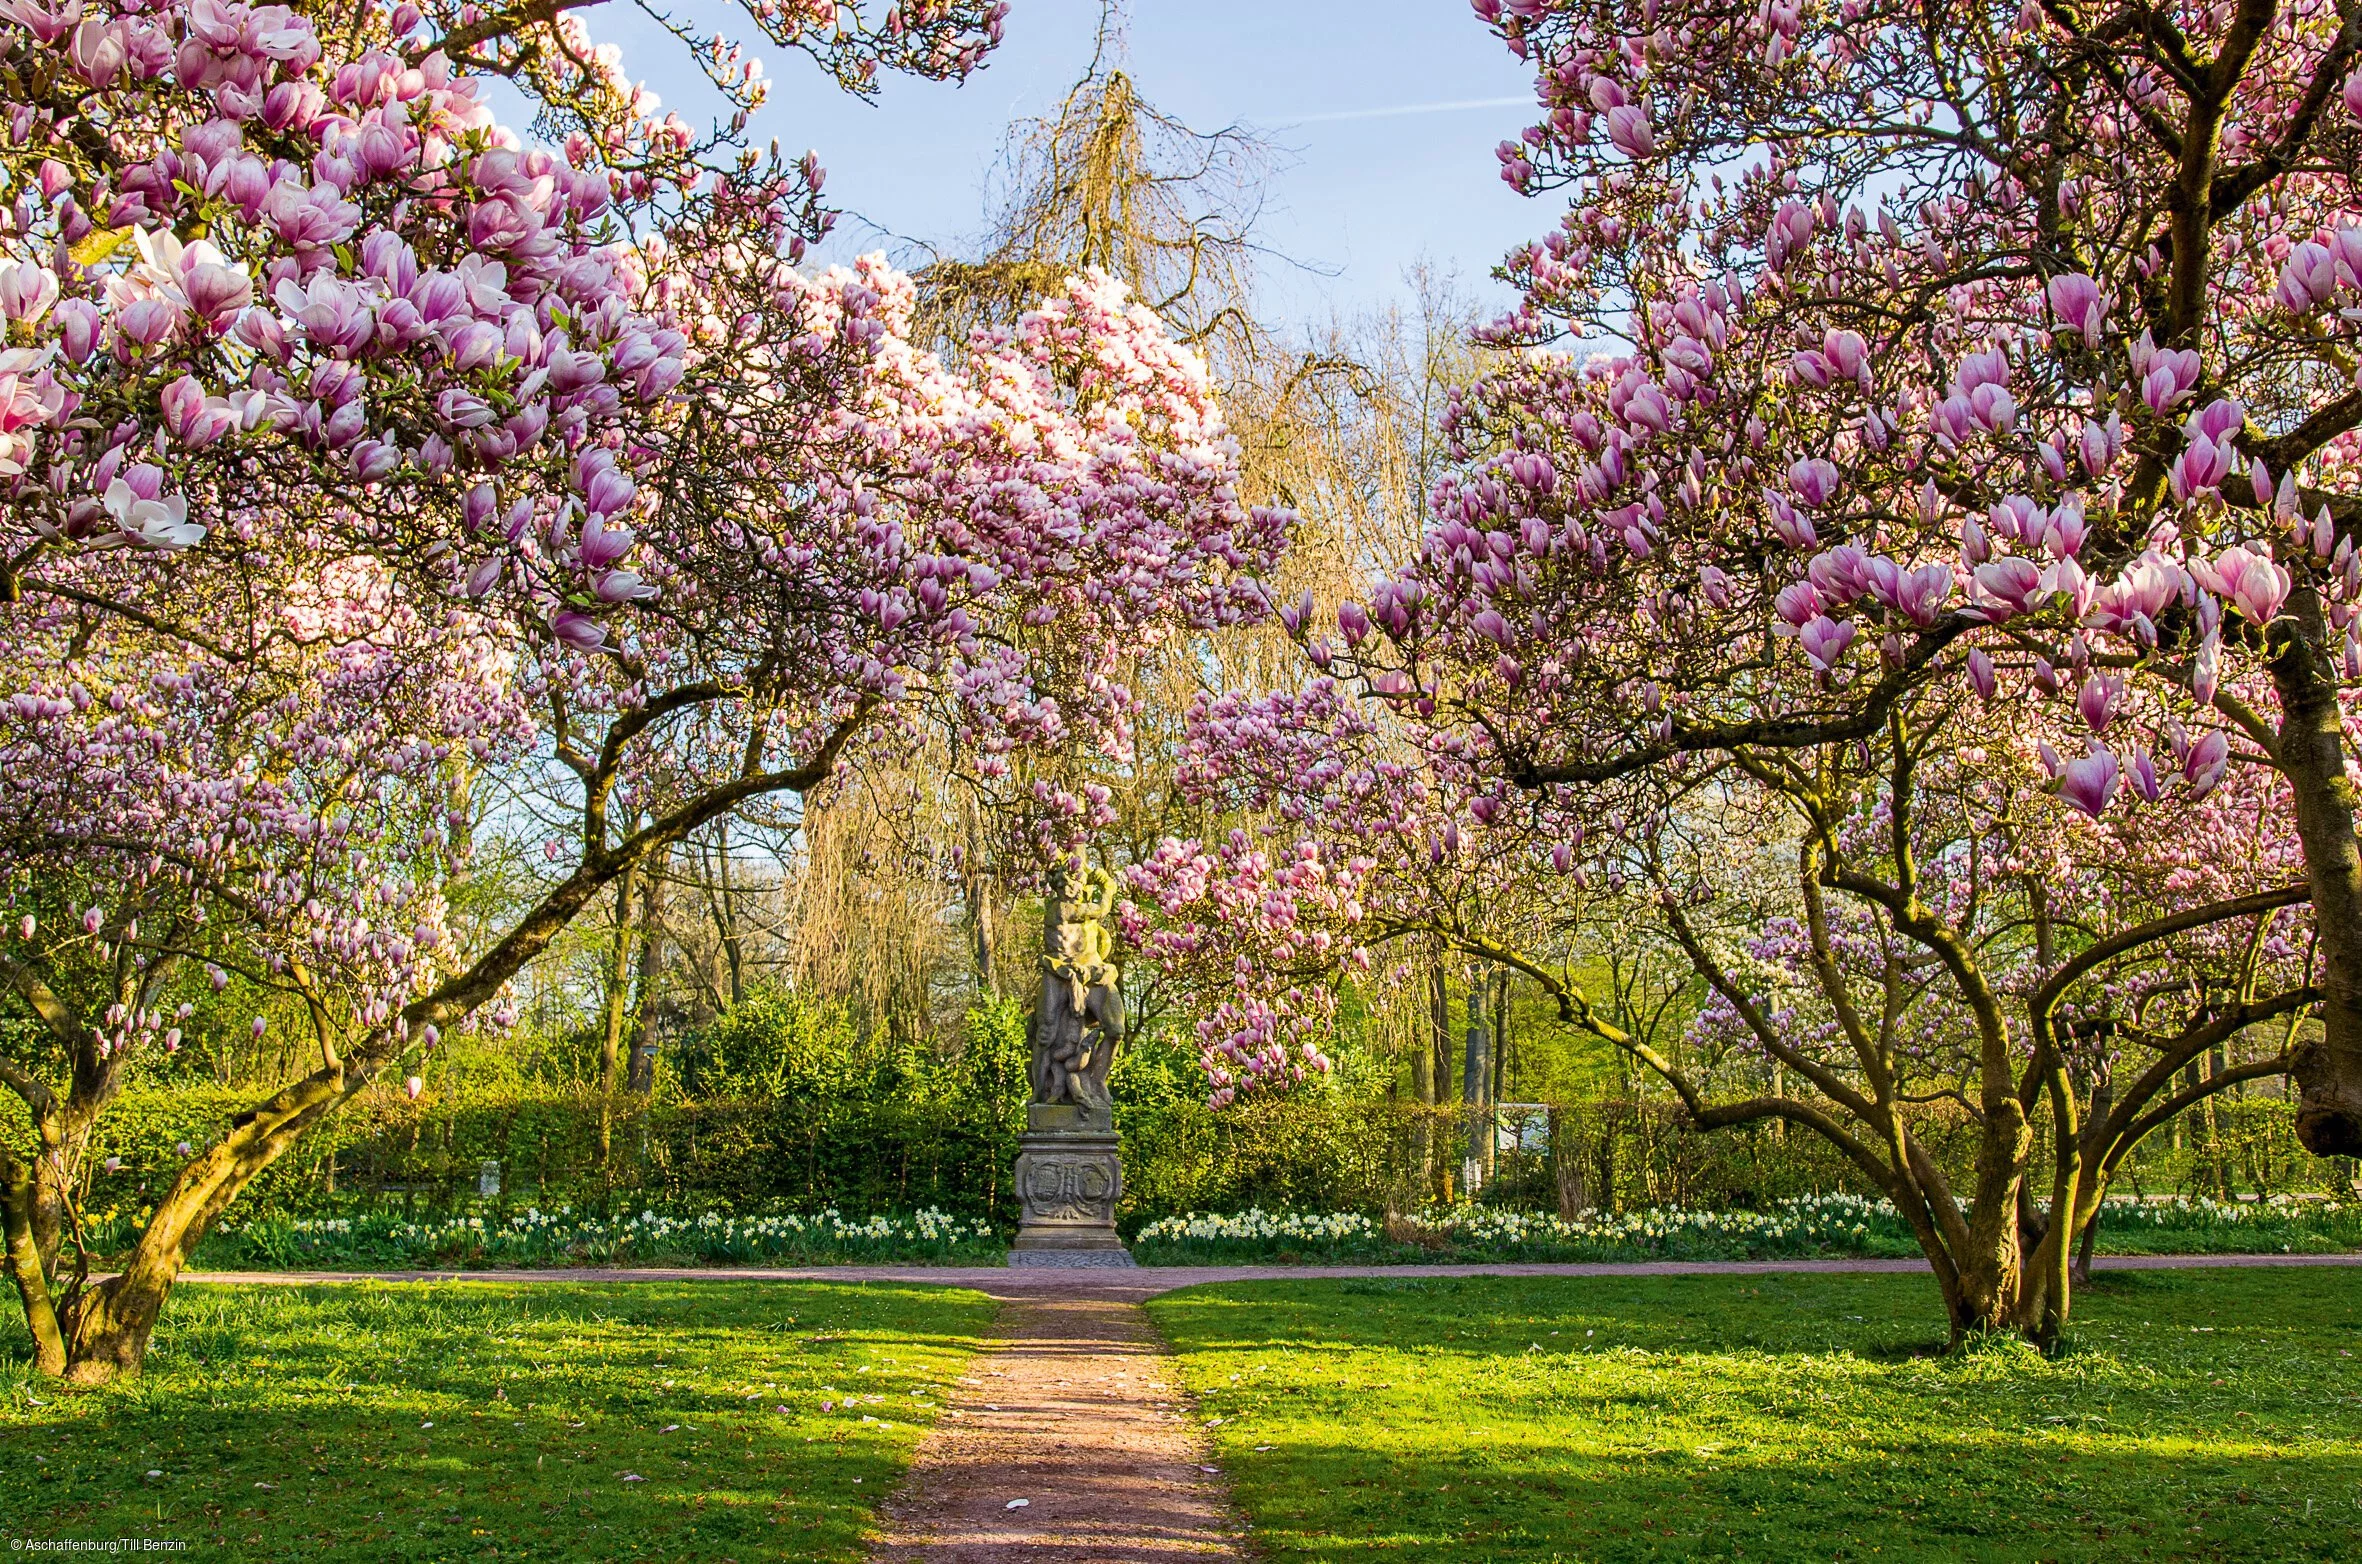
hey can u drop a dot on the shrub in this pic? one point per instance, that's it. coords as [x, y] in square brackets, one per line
[800, 1114]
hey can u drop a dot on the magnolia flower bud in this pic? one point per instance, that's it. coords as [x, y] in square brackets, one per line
[77, 323]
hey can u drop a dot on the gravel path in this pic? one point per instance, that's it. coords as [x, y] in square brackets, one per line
[1147, 1281]
[1066, 1441]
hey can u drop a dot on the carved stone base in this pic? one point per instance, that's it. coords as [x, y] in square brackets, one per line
[1068, 1182]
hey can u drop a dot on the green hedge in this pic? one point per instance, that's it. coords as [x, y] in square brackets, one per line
[798, 1108]
[905, 1144]
[859, 1154]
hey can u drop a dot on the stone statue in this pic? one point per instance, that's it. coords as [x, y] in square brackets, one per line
[1079, 1018]
[1069, 1170]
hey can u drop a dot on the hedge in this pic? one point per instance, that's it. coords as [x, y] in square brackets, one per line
[922, 1144]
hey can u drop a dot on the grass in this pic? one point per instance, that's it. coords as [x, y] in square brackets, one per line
[2194, 1415]
[475, 1420]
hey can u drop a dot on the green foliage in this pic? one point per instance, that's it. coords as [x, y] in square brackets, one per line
[2195, 1415]
[367, 1423]
[785, 1105]
[774, 1045]
[1150, 1071]
[904, 1131]
[861, 1131]
[1318, 1151]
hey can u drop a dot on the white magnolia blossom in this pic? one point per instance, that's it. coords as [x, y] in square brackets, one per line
[159, 523]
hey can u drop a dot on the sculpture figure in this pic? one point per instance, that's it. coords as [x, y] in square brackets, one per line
[1079, 1018]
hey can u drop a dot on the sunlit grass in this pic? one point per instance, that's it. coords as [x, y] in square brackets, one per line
[2198, 1415]
[474, 1420]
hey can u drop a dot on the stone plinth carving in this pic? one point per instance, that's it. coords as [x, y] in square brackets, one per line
[1068, 1174]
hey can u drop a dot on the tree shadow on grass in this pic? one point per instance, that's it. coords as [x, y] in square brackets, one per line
[426, 1422]
[2192, 1415]
[1882, 1316]
[1981, 1501]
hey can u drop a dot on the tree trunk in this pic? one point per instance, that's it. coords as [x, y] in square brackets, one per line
[1477, 1166]
[1439, 1067]
[1566, 1165]
[618, 1003]
[642, 1076]
[982, 927]
[2312, 756]
[725, 904]
[107, 1326]
[1496, 1073]
[2081, 1275]
[1604, 1192]
[1976, 1302]
[1990, 1260]
[19, 1198]
[1423, 1121]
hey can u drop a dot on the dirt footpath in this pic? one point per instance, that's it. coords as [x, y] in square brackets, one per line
[1073, 1413]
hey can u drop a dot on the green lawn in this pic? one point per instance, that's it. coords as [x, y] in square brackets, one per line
[475, 1420]
[2195, 1415]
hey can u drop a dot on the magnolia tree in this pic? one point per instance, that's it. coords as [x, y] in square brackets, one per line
[360, 449]
[1929, 430]
[1895, 931]
[269, 808]
[2004, 350]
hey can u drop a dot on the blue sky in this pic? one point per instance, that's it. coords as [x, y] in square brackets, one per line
[1361, 195]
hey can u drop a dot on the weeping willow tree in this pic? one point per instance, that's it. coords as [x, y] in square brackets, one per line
[1111, 182]
[1340, 426]
[866, 917]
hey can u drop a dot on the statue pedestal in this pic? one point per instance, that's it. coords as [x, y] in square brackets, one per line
[1069, 1178]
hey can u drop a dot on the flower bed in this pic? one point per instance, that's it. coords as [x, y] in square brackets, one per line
[534, 1237]
[1812, 1226]
[2283, 1224]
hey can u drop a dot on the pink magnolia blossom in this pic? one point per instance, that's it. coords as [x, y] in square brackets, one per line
[2203, 766]
[2011, 585]
[2308, 280]
[2090, 782]
[1628, 127]
[1980, 672]
[2098, 699]
[2079, 304]
[1824, 641]
[2253, 582]
[1814, 482]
